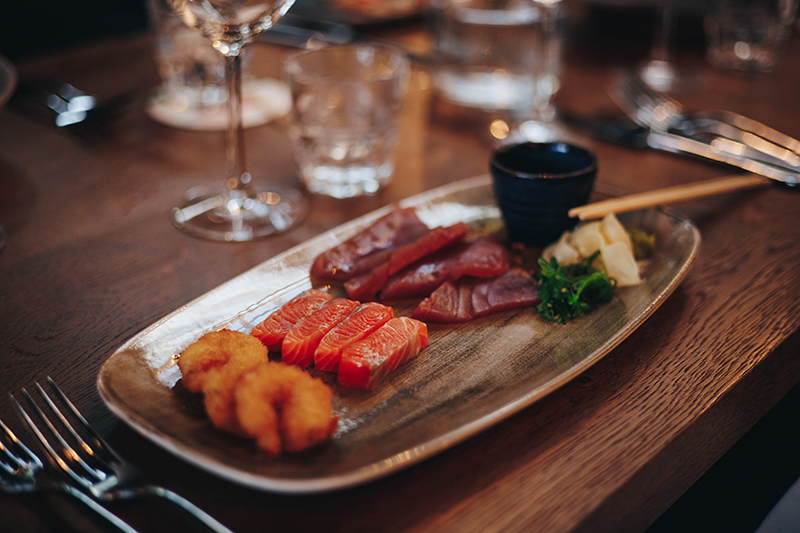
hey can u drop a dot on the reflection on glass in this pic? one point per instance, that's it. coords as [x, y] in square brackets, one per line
[237, 210]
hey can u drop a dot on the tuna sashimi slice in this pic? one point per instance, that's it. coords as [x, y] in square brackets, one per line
[300, 343]
[274, 328]
[484, 258]
[515, 288]
[370, 247]
[468, 298]
[364, 320]
[367, 362]
[366, 286]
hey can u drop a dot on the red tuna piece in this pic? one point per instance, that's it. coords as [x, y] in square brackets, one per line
[274, 328]
[364, 320]
[300, 343]
[366, 286]
[484, 258]
[367, 362]
[369, 248]
[469, 297]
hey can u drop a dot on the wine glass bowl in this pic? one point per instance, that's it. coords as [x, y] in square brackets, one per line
[236, 210]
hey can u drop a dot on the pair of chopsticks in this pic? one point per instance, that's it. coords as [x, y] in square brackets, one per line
[668, 195]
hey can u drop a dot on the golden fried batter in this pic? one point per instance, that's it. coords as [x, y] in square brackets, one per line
[220, 382]
[284, 408]
[213, 350]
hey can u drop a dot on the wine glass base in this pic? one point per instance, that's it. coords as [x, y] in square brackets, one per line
[665, 77]
[208, 212]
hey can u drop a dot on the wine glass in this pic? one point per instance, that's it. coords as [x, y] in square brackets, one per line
[659, 71]
[237, 210]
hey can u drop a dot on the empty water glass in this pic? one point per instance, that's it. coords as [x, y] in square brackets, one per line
[344, 121]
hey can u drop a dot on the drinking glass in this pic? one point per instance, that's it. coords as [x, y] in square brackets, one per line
[237, 210]
[660, 71]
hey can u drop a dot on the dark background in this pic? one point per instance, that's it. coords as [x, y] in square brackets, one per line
[32, 27]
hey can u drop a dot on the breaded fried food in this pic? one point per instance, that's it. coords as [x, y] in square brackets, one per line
[220, 383]
[284, 408]
[212, 351]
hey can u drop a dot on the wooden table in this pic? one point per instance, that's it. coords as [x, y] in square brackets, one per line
[92, 258]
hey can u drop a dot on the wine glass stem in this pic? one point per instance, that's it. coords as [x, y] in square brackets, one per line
[663, 34]
[238, 179]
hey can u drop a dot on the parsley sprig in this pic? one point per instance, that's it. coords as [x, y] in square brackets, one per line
[568, 291]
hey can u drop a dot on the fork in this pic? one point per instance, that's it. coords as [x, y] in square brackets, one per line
[22, 471]
[94, 465]
[731, 132]
[707, 134]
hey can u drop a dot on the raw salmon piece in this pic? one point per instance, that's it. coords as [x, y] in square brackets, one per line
[365, 363]
[275, 327]
[483, 258]
[366, 286]
[369, 248]
[300, 343]
[364, 320]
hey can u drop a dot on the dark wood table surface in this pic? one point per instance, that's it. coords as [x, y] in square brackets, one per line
[92, 258]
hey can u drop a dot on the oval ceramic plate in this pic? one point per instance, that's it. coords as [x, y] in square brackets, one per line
[470, 377]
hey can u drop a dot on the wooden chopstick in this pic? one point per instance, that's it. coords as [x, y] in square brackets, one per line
[668, 195]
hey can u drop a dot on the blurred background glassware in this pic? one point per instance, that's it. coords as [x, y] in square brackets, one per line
[488, 53]
[659, 70]
[749, 35]
[500, 56]
[236, 210]
[344, 119]
[193, 93]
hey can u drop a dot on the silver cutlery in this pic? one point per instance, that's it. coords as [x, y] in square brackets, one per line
[718, 135]
[91, 463]
[22, 471]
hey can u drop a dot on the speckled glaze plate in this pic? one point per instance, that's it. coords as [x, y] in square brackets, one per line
[470, 377]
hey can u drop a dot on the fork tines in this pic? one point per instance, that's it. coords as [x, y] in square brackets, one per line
[15, 460]
[75, 458]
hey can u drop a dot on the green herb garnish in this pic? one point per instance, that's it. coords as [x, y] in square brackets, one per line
[568, 291]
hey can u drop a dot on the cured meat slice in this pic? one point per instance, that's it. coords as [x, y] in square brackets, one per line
[369, 248]
[300, 343]
[484, 258]
[364, 320]
[367, 362]
[366, 286]
[274, 328]
[470, 297]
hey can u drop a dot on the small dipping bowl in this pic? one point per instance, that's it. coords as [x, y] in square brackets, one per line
[536, 184]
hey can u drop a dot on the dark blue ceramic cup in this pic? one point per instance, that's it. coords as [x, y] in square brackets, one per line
[536, 184]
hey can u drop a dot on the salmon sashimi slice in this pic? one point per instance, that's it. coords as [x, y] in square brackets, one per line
[366, 286]
[468, 298]
[274, 328]
[364, 320]
[300, 343]
[483, 258]
[370, 247]
[366, 363]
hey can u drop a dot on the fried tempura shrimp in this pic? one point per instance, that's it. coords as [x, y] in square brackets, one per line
[220, 383]
[212, 351]
[284, 408]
